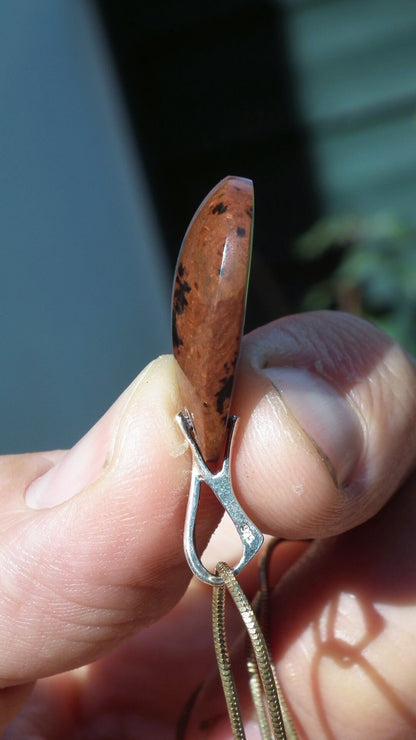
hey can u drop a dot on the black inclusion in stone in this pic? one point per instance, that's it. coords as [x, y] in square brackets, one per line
[241, 231]
[176, 340]
[220, 208]
[225, 393]
[180, 302]
[182, 288]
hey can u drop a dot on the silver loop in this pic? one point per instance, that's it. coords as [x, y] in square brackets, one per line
[220, 484]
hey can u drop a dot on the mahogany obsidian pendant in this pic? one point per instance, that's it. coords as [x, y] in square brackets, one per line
[209, 297]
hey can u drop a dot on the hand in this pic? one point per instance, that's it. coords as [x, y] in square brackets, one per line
[93, 568]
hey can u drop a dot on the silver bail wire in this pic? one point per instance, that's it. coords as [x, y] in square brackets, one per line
[220, 484]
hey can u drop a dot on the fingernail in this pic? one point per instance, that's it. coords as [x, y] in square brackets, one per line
[325, 415]
[86, 461]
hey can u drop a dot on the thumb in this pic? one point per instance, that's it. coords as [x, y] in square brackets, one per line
[95, 551]
[327, 405]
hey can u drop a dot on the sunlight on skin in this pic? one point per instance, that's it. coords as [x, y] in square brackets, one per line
[101, 576]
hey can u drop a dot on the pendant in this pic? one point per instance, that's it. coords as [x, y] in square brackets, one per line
[208, 307]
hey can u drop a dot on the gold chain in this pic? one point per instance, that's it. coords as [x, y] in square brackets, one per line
[272, 713]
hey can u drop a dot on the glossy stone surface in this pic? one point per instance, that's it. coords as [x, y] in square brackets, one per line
[209, 295]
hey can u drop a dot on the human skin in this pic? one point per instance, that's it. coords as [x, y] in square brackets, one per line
[93, 571]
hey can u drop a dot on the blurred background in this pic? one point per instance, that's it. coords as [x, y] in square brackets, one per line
[115, 121]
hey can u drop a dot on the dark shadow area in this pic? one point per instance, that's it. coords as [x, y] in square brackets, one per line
[209, 93]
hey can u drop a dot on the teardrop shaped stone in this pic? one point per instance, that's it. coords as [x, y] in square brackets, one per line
[209, 296]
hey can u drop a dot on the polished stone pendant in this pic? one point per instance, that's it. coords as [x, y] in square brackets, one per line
[209, 296]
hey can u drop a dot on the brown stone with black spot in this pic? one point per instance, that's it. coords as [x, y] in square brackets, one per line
[209, 296]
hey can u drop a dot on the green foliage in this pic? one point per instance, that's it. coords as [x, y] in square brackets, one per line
[376, 271]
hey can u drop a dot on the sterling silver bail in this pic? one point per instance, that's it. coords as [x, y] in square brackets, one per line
[220, 484]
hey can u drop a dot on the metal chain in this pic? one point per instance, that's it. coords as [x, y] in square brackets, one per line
[261, 607]
[224, 662]
[267, 696]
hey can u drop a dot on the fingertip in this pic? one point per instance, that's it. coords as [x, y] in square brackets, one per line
[127, 478]
[326, 403]
[147, 406]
